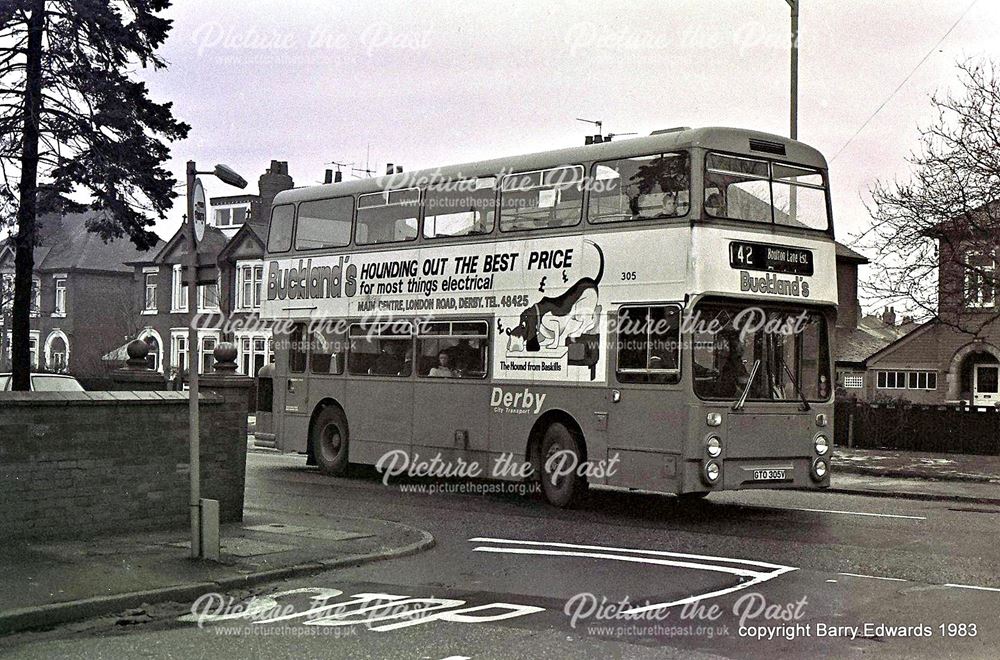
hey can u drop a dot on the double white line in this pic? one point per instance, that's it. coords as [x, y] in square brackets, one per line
[749, 572]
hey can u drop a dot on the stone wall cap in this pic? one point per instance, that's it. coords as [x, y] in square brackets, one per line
[138, 397]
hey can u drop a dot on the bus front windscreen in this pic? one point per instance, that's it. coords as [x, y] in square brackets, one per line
[790, 348]
[757, 190]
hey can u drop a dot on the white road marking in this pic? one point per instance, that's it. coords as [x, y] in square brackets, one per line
[615, 554]
[874, 577]
[969, 586]
[846, 513]
[637, 560]
[657, 553]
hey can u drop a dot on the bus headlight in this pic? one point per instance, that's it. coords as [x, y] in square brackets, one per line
[820, 469]
[711, 472]
[822, 444]
[714, 419]
[821, 419]
[713, 446]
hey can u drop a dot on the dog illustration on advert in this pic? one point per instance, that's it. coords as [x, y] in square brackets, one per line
[552, 321]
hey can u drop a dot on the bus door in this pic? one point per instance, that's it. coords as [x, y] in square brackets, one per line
[648, 422]
[292, 391]
[451, 397]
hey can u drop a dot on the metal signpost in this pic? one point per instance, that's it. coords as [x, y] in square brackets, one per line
[196, 219]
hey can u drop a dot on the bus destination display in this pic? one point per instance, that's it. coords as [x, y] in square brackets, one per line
[772, 258]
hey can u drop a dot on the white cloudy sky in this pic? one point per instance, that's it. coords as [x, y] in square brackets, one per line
[438, 82]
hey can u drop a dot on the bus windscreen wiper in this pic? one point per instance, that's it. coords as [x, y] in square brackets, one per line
[798, 390]
[746, 388]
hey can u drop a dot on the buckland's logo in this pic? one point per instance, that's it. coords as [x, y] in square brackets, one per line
[308, 281]
[774, 285]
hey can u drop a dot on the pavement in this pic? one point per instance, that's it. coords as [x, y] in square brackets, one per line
[916, 475]
[46, 583]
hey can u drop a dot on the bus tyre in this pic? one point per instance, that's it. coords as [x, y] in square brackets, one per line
[562, 490]
[328, 437]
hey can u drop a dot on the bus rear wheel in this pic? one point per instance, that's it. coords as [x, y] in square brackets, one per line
[560, 489]
[328, 437]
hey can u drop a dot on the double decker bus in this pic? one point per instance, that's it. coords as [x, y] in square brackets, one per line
[657, 311]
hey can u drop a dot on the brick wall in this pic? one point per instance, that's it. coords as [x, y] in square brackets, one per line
[78, 464]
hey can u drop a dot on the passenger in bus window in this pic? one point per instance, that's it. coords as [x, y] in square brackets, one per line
[443, 368]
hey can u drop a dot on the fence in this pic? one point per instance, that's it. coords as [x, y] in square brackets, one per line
[950, 429]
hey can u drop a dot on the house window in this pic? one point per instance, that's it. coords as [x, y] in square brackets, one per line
[150, 298]
[854, 381]
[208, 297]
[6, 295]
[250, 280]
[60, 308]
[36, 297]
[178, 291]
[980, 279]
[208, 354]
[255, 352]
[33, 350]
[902, 380]
[222, 217]
[178, 351]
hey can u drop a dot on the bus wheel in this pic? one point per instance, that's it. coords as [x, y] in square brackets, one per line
[561, 490]
[328, 437]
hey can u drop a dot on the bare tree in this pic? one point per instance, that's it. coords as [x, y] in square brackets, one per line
[936, 237]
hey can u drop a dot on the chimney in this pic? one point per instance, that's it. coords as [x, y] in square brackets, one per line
[889, 316]
[270, 183]
[399, 169]
[338, 176]
[328, 177]
[389, 169]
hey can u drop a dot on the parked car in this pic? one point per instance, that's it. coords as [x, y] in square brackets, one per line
[45, 383]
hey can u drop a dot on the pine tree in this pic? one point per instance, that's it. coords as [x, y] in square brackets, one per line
[74, 125]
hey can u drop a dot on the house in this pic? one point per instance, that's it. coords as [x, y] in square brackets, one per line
[955, 356]
[858, 336]
[233, 241]
[82, 305]
[161, 295]
[241, 267]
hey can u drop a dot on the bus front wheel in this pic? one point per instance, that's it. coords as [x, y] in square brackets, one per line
[329, 441]
[562, 487]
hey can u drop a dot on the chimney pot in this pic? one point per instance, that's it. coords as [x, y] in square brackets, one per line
[328, 177]
[389, 168]
[338, 176]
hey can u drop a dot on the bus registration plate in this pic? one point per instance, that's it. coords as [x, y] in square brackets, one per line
[768, 475]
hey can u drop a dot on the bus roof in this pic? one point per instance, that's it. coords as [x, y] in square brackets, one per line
[736, 140]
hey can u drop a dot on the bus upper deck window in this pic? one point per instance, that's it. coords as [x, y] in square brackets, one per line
[656, 186]
[324, 223]
[541, 199]
[737, 188]
[460, 208]
[279, 238]
[388, 217]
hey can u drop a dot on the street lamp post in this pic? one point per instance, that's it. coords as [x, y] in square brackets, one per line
[196, 227]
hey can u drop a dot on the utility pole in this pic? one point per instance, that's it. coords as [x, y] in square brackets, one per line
[793, 108]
